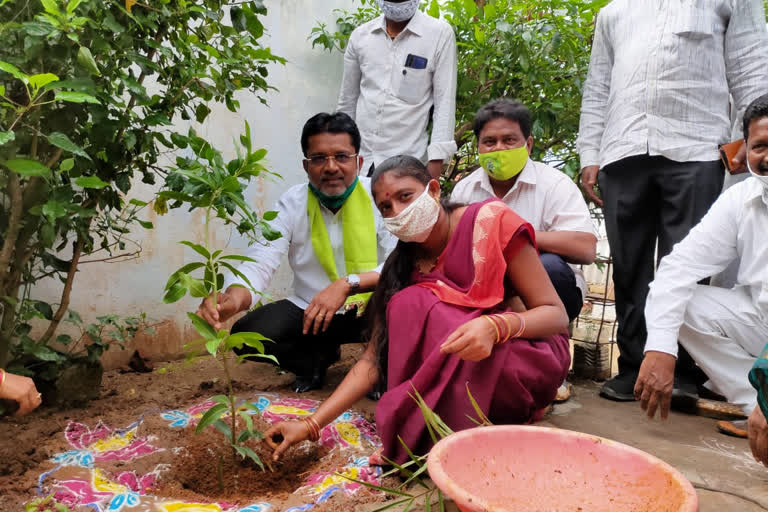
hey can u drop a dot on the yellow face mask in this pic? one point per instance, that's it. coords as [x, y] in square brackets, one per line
[506, 164]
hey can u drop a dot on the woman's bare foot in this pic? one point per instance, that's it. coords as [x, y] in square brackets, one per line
[376, 458]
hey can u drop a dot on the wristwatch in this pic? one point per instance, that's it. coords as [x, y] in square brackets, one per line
[354, 281]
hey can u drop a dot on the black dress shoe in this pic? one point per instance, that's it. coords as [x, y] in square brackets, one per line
[685, 395]
[621, 388]
[306, 383]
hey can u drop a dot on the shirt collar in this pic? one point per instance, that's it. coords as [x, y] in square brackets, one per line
[757, 191]
[416, 26]
[527, 175]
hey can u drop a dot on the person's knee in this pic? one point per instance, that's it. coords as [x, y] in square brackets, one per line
[556, 267]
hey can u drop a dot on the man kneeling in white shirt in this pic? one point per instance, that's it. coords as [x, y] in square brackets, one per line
[540, 194]
[723, 330]
[336, 245]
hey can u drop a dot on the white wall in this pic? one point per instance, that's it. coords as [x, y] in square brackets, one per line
[307, 84]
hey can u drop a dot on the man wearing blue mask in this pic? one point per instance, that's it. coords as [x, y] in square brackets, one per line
[400, 73]
[723, 330]
[336, 245]
[540, 194]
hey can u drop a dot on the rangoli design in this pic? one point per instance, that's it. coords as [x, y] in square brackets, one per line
[78, 480]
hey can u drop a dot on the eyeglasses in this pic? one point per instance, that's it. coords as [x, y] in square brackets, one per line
[320, 161]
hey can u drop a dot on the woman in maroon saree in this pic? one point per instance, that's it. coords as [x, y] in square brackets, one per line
[441, 321]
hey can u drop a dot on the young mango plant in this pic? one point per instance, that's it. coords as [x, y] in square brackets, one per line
[208, 183]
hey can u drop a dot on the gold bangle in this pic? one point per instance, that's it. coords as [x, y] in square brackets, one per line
[521, 320]
[495, 328]
[508, 323]
[313, 434]
[2, 378]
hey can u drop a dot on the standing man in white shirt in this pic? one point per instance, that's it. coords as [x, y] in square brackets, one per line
[540, 194]
[654, 111]
[400, 72]
[723, 330]
[336, 245]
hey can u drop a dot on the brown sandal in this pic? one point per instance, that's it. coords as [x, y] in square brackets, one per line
[737, 428]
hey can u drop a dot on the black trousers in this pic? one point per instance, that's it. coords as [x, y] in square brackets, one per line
[282, 322]
[649, 200]
[564, 281]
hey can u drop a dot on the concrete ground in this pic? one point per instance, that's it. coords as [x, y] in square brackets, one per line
[721, 468]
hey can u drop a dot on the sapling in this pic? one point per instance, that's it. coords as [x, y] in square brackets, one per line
[205, 182]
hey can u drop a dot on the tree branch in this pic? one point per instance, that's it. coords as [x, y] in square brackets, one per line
[64, 304]
[14, 226]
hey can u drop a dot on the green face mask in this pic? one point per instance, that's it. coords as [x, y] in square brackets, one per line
[333, 202]
[506, 164]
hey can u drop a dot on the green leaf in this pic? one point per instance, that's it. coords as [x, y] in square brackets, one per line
[201, 112]
[238, 257]
[244, 452]
[60, 140]
[45, 309]
[175, 293]
[179, 140]
[221, 399]
[251, 339]
[222, 427]
[202, 327]
[195, 286]
[85, 59]
[72, 5]
[54, 210]
[146, 225]
[90, 182]
[28, 168]
[75, 97]
[199, 249]
[186, 269]
[41, 80]
[46, 353]
[212, 346]
[248, 421]
[269, 216]
[67, 165]
[6, 137]
[14, 71]
[137, 202]
[64, 339]
[211, 415]
[51, 6]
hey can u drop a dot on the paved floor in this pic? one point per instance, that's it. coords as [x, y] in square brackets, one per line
[710, 460]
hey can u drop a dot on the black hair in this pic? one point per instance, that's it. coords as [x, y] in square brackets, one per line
[756, 110]
[323, 122]
[506, 108]
[398, 269]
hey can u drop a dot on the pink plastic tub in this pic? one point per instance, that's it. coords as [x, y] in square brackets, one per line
[527, 469]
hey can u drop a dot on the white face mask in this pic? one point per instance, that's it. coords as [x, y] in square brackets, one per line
[398, 12]
[416, 221]
[763, 179]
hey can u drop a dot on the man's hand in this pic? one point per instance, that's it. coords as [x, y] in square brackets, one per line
[435, 168]
[22, 390]
[589, 182]
[740, 159]
[319, 313]
[227, 304]
[472, 341]
[655, 383]
[758, 436]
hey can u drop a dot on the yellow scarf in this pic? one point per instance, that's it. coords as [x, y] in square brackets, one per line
[359, 234]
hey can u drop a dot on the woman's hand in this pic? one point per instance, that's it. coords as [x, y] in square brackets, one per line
[472, 341]
[22, 390]
[285, 434]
